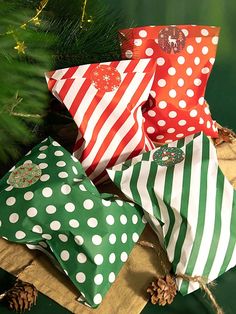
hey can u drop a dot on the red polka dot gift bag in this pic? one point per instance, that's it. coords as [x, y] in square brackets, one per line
[105, 100]
[184, 55]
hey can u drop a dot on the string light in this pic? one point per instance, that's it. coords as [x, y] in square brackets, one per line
[84, 17]
[35, 19]
[20, 45]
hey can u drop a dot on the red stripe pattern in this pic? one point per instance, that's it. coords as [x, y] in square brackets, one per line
[105, 100]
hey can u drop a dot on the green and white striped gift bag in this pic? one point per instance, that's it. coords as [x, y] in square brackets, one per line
[181, 187]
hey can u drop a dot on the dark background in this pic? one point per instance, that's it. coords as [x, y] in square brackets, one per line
[220, 95]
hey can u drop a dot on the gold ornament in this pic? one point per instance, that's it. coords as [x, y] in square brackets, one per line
[84, 17]
[89, 19]
[23, 26]
[36, 21]
[42, 5]
[20, 47]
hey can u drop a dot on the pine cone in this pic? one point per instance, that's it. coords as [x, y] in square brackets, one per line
[225, 135]
[21, 296]
[163, 290]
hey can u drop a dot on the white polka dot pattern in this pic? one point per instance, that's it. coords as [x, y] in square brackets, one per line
[179, 82]
[89, 236]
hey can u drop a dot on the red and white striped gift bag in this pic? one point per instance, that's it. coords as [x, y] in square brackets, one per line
[105, 100]
[185, 55]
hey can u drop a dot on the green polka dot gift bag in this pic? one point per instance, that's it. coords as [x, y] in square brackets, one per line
[48, 202]
[183, 190]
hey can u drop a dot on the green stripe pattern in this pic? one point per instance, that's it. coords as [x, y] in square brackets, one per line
[191, 206]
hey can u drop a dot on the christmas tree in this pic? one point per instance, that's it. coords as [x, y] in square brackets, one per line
[36, 37]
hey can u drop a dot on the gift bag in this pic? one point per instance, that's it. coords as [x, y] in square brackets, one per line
[48, 202]
[181, 185]
[105, 101]
[184, 55]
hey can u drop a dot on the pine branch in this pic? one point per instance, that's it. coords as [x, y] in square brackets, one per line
[23, 93]
[95, 40]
